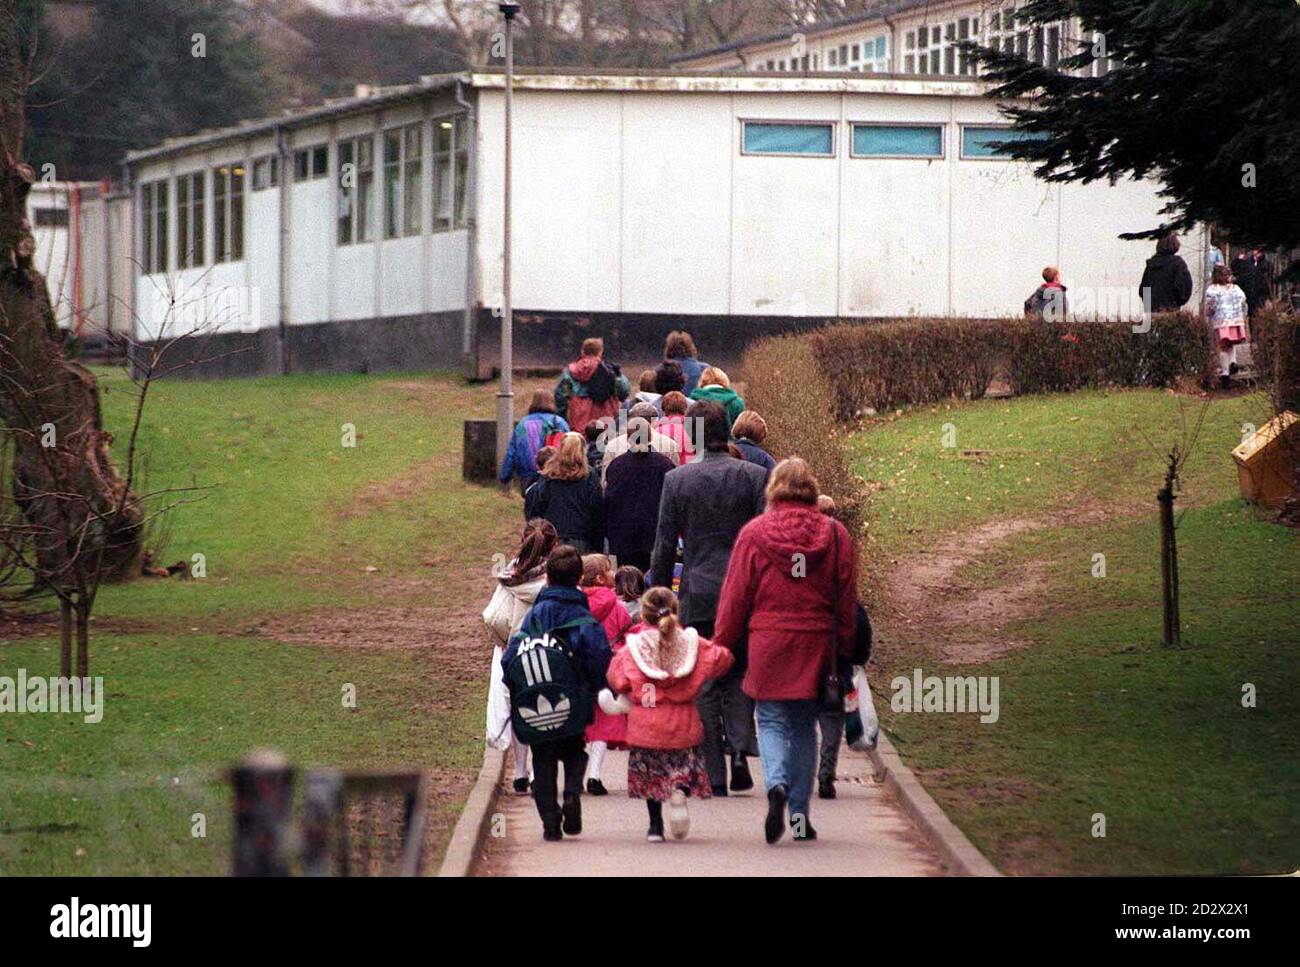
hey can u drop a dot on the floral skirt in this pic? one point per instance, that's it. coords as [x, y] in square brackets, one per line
[655, 773]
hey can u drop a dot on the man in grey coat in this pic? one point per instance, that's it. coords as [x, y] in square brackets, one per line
[706, 503]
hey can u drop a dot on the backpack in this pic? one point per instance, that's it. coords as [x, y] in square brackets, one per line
[551, 436]
[549, 698]
[603, 382]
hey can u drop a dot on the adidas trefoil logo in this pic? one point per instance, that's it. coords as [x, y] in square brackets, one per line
[546, 717]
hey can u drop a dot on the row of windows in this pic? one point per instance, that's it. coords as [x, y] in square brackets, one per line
[935, 48]
[817, 139]
[401, 171]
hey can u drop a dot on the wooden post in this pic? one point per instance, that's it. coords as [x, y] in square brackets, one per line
[479, 451]
[322, 802]
[263, 787]
[1168, 565]
[65, 638]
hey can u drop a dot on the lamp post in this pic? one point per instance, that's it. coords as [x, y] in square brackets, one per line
[506, 394]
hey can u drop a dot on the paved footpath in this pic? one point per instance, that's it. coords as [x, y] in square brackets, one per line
[860, 833]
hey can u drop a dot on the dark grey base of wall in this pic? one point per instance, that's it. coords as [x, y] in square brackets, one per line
[421, 342]
[633, 340]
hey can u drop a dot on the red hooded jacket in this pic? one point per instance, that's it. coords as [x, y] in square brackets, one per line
[609, 611]
[663, 714]
[583, 409]
[791, 581]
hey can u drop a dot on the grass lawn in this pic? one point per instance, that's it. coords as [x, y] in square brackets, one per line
[326, 565]
[1096, 717]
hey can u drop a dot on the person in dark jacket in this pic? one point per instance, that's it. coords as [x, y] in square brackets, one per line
[530, 436]
[560, 602]
[680, 347]
[590, 387]
[634, 483]
[791, 596]
[669, 378]
[1166, 283]
[1048, 301]
[706, 503]
[568, 495]
[1250, 279]
[749, 432]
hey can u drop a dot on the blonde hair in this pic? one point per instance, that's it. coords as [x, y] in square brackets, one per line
[659, 608]
[570, 459]
[792, 479]
[751, 426]
[593, 346]
[594, 566]
[712, 376]
[826, 503]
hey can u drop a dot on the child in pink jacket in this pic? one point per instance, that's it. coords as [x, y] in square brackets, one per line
[656, 678]
[606, 731]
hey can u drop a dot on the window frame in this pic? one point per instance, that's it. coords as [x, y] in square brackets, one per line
[941, 126]
[361, 201]
[191, 220]
[155, 202]
[980, 126]
[832, 125]
[269, 163]
[229, 215]
[399, 170]
[455, 158]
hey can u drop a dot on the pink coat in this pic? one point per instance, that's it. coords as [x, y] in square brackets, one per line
[674, 427]
[663, 714]
[613, 617]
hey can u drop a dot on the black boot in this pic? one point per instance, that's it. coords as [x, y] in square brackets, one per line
[551, 830]
[596, 788]
[826, 789]
[655, 834]
[774, 824]
[572, 814]
[741, 780]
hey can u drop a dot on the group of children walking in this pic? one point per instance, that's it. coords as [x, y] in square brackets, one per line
[598, 662]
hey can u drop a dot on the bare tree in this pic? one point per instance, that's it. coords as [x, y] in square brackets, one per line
[72, 520]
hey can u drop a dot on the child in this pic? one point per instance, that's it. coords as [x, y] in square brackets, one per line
[1048, 300]
[629, 585]
[535, 488]
[606, 731]
[657, 676]
[553, 669]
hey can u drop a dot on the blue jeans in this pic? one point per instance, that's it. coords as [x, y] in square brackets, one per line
[787, 744]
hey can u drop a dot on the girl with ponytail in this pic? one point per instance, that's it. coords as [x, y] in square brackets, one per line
[656, 678]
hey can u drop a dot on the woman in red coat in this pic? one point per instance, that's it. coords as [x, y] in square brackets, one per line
[791, 592]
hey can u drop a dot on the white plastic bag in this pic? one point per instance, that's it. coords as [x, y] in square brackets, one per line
[499, 733]
[858, 702]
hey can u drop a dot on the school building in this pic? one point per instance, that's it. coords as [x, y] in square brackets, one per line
[366, 234]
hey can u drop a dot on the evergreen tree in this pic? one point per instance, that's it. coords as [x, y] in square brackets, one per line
[1203, 95]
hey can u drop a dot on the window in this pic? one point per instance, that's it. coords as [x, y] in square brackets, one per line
[978, 141]
[788, 138]
[191, 203]
[48, 217]
[356, 181]
[897, 141]
[450, 166]
[313, 162]
[153, 226]
[402, 181]
[228, 212]
[831, 57]
[266, 172]
[1054, 46]
[927, 45]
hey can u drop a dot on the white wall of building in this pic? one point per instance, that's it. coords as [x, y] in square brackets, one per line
[634, 201]
[326, 281]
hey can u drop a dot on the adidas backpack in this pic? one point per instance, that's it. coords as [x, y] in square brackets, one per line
[549, 698]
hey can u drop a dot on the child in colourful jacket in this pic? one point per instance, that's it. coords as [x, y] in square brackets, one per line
[656, 677]
[606, 731]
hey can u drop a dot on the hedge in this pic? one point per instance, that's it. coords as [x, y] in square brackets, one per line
[887, 365]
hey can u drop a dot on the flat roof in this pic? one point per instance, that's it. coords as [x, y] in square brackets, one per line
[567, 79]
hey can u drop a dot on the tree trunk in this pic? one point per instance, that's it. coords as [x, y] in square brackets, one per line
[64, 479]
[83, 638]
[65, 638]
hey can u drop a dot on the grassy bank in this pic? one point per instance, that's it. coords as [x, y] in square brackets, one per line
[1096, 717]
[326, 565]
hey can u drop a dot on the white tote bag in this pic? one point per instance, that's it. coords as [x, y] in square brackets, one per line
[858, 702]
[499, 733]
